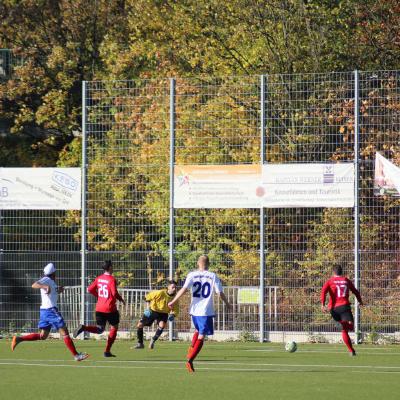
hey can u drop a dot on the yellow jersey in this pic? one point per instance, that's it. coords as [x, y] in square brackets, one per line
[159, 300]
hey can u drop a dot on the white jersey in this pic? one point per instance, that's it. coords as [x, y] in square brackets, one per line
[48, 300]
[203, 285]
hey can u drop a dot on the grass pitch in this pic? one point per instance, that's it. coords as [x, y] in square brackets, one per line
[234, 371]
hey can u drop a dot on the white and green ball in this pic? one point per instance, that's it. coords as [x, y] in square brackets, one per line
[291, 347]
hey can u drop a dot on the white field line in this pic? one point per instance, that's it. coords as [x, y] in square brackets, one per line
[327, 352]
[146, 364]
[182, 368]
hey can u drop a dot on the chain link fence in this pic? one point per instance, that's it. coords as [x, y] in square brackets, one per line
[137, 132]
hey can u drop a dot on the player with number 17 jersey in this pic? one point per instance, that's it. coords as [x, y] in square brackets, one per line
[339, 288]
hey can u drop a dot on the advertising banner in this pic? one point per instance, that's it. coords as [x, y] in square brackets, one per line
[387, 177]
[269, 186]
[308, 185]
[217, 186]
[40, 188]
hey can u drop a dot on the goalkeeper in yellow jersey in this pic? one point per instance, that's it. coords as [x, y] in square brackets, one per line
[158, 311]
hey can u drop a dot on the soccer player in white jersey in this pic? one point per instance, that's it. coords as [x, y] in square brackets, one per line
[49, 314]
[203, 284]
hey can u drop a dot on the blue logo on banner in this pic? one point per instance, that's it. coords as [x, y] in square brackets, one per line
[65, 180]
[328, 175]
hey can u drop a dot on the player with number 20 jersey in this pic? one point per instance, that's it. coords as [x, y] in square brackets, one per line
[203, 284]
[339, 288]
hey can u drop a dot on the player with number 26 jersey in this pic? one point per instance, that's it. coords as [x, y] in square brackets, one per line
[104, 288]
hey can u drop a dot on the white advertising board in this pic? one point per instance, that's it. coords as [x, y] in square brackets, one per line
[40, 188]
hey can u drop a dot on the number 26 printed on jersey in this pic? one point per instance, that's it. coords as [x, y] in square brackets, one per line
[201, 290]
[103, 291]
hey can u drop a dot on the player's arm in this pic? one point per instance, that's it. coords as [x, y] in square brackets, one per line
[220, 292]
[92, 289]
[355, 292]
[175, 309]
[38, 285]
[114, 292]
[223, 297]
[324, 291]
[180, 293]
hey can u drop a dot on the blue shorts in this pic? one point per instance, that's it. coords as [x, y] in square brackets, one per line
[205, 325]
[50, 317]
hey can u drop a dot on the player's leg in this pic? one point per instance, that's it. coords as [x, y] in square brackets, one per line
[140, 334]
[159, 331]
[16, 340]
[347, 326]
[194, 340]
[70, 344]
[98, 328]
[205, 326]
[113, 319]
[344, 317]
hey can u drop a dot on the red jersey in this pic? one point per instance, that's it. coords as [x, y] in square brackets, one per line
[104, 288]
[339, 288]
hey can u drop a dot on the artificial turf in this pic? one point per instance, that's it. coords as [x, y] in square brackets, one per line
[234, 371]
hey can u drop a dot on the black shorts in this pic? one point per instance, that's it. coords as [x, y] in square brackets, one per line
[342, 313]
[155, 316]
[102, 318]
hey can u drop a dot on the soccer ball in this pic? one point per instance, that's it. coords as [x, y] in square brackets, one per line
[291, 347]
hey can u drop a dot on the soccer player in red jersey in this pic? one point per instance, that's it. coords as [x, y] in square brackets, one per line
[104, 288]
[339, 287]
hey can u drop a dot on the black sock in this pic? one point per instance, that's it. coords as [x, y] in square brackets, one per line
[140, 335]
[159, 331]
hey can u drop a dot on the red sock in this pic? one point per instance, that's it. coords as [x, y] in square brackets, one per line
[111, 338]
[70, 344]
[347, 340]
[30, 337]
[196, 349]
[194, 338]
[91, 328]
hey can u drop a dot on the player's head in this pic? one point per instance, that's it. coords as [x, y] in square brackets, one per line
[107, 266]
[50, 270]
[171, 288]
[338, 270]
[203, 263]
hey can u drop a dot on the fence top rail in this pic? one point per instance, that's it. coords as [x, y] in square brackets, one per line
[218, 77]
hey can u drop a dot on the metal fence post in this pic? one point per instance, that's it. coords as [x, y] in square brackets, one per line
[262, 238]
[171, 188]
[83, 205]
[356, 204]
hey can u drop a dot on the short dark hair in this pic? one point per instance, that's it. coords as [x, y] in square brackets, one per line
[338, 270]
[171, 282]
[107, 264]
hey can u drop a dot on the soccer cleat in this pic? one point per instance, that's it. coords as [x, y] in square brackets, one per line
[353, 353]
[189, 366]
[151, 344]
[15, 341]
[108, 354]
[139, 346]
[78, 331]
[81, 356]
